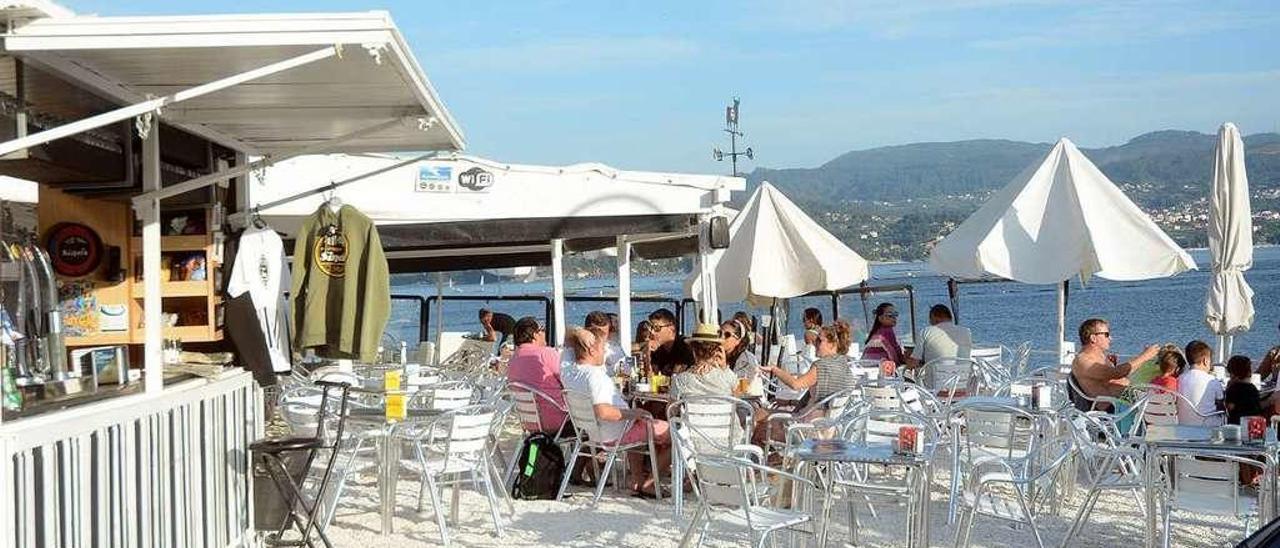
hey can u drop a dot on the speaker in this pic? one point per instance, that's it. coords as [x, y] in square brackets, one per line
[719, 233]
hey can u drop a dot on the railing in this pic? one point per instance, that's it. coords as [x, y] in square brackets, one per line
[166, 470]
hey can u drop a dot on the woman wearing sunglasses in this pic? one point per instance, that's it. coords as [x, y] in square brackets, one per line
[733, 337]
[882, 341]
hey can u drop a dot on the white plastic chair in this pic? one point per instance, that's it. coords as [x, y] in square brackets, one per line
[1208, 487]
[582, 413]
[728, 490]
[707, 425]
[453, 449]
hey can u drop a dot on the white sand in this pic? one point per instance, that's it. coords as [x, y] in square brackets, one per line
[621, 520]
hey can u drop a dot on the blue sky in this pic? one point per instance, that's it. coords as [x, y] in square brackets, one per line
[643, 84]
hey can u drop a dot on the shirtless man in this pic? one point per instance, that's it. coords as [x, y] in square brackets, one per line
[1095, 371]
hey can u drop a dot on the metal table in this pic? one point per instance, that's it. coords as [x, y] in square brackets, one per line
[827, 452]
[388, 450]
[1163, 442]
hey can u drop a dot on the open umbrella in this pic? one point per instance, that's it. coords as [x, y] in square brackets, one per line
[1059, 219]
[777, 252]
[1228, 309]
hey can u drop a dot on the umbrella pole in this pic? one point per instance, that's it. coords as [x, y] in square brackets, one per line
[1062, 322]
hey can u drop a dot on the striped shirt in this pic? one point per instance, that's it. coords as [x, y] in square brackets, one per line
[834, 375]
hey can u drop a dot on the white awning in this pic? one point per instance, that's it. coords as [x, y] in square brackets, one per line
[372, 79]
[465, 188]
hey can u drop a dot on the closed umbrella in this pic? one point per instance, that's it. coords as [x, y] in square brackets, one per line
[1059, 219]
[1228, 310]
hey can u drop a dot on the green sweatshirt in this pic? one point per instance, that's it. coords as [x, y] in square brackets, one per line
[341, 286]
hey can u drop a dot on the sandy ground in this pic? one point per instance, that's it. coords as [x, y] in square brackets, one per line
[621, 520]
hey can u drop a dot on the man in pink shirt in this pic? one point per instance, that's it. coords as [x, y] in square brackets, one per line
[537, 365]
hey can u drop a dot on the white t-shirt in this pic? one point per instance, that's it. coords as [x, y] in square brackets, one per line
[1203, 392]
[945, 340]
[260, 269]
[593, 380]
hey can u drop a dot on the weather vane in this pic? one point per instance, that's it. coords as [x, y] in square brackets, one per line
[731, 127]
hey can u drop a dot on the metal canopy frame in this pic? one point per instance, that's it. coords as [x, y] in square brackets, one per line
[147, 114]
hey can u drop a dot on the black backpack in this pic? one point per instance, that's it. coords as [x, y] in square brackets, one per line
[540, 468]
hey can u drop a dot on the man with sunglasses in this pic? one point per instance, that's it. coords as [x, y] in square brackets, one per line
[1095, 370]
[673, 354]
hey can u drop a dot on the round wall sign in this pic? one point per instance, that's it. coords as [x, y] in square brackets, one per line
[75, 249]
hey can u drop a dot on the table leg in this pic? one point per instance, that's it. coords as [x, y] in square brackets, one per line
[1152, 466]
[955, 476]
[389, 457]
[923, 513]
[824, 519]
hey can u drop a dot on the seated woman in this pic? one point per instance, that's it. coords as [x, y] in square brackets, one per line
[733, 336]
[830, 373]
[882, 342]
[709, 376]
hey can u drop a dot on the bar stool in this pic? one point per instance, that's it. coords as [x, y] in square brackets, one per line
[302, 513]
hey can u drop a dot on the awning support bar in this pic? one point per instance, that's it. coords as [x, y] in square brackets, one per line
[236, 171]
[236, 217]
[151, 105]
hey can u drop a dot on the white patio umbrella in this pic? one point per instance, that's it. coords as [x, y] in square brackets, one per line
[1228, 310]
[1059, 219]
[777, 252]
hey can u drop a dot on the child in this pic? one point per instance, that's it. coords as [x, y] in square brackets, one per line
[1241, 396]
[1170, 363]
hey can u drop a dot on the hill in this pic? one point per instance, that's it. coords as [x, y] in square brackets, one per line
[890, 202]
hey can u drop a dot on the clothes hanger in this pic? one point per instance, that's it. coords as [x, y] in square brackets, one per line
[256, 218]
[333, 201]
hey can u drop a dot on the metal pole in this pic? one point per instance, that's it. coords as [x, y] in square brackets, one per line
[557, 289]
[435, 358]
[1062, 321]
[153, 362]
[125, 113]
[624, 294]
[241, 169]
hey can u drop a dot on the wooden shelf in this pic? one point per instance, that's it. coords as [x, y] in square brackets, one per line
[101, 339]
[186, 288]
[190, 242]
[184, 333]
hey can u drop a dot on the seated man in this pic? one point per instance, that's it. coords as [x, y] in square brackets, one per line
[494, 323]
[587, 375]
[1203, 392]
[942, 339]
[537, 365]
[1097, 372]
[673, 354]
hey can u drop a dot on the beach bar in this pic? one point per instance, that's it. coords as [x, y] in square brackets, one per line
[142, 133]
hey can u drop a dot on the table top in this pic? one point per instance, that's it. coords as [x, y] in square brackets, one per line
[1007, 401]
[1199, 438]
[844, 451]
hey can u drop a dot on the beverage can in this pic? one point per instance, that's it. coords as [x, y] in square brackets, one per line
[1255, 427]
[888, 369]
[909, 439]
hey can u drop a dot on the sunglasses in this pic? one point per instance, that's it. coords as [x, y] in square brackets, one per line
[728, 334]
[891, 314]
[657, 326]
[1106, 334]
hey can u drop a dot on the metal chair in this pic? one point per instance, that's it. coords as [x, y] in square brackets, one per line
[949, 378]
[982, 432]
[865, 369]
[527, 407]
[784, 429]
[587, 430]
[1207, 484]
[1110, 464]
[442, 396]
[453, 449]
[711, 425]
[880, 427]
[1163, 408]
[733, 483]
[992, 481]
[325, 435]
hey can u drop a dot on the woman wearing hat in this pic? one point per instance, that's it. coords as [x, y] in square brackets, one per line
[709, 376]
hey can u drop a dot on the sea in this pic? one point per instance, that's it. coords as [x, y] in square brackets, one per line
[1161, 311]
